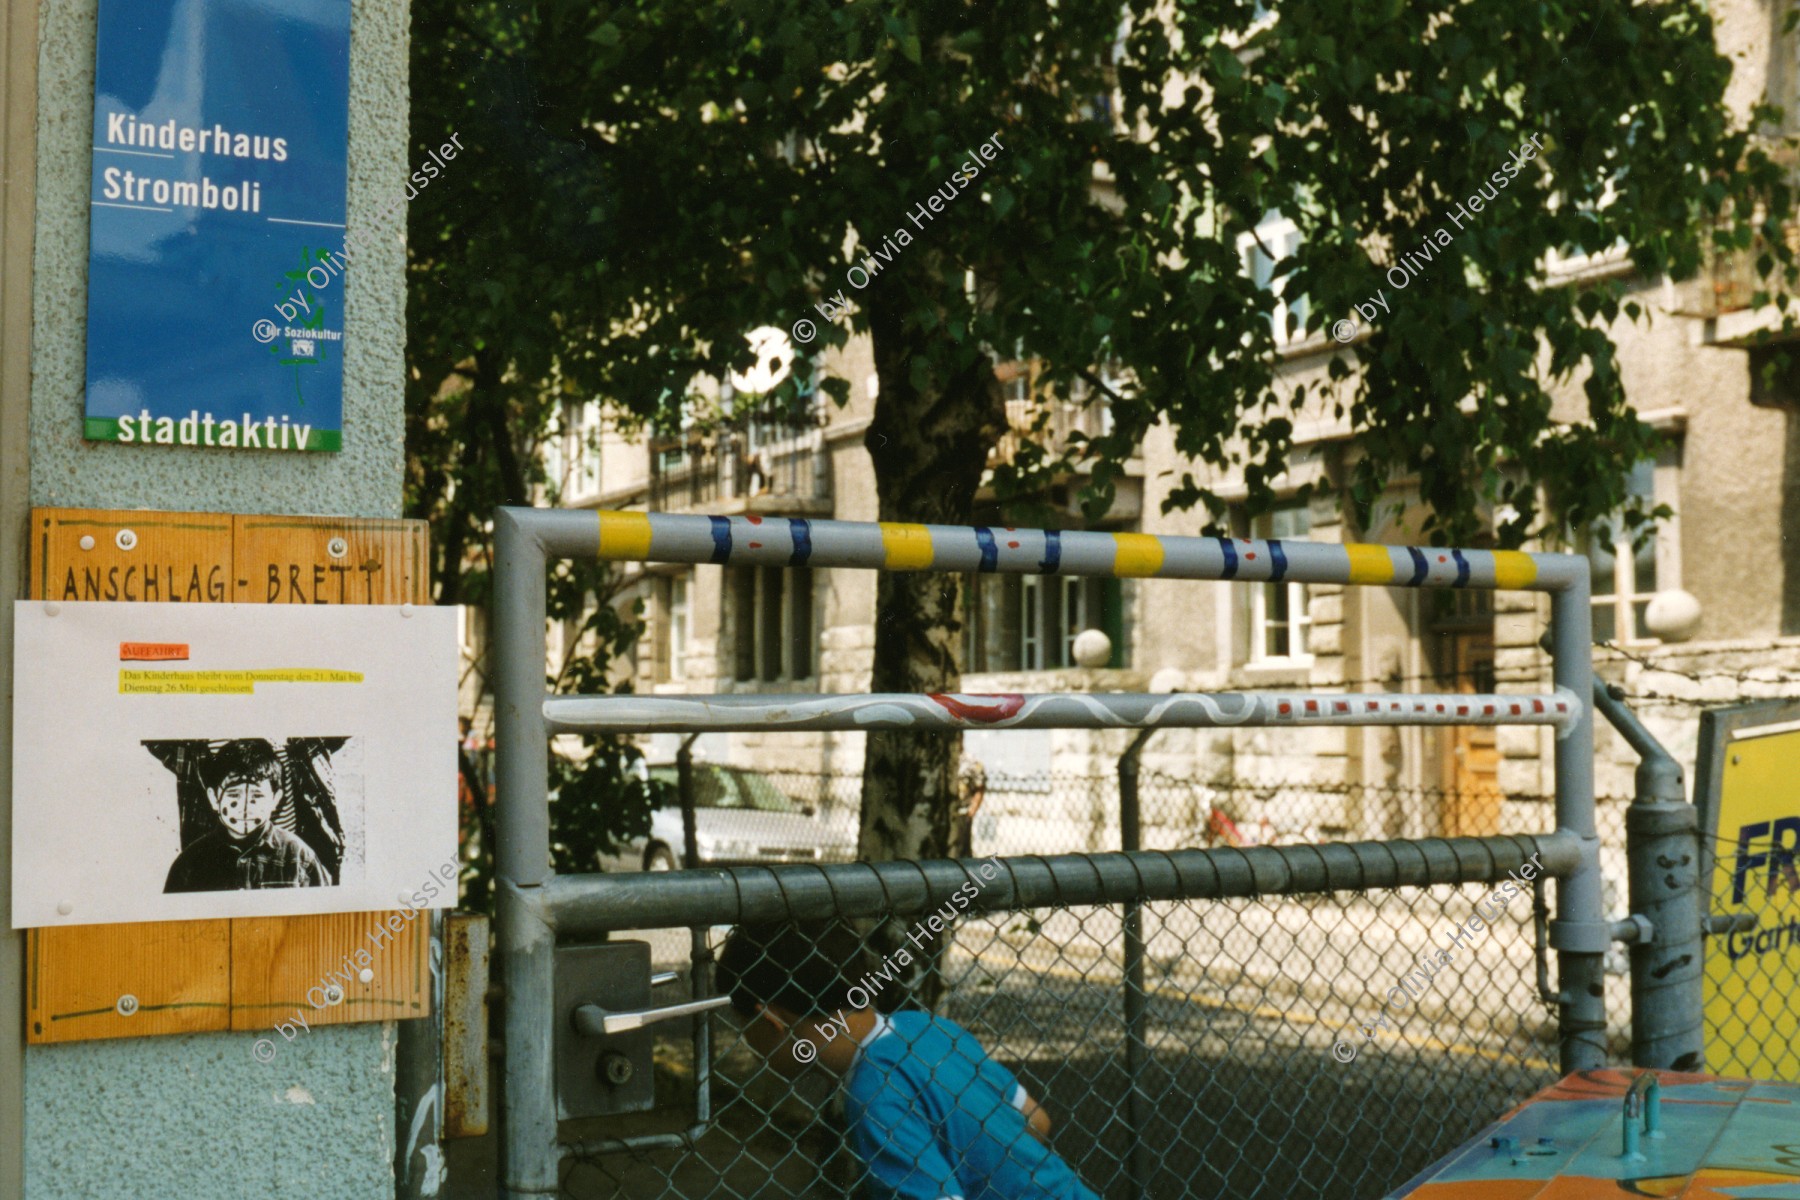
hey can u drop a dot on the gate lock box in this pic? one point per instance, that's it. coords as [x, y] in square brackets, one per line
[603, 1040]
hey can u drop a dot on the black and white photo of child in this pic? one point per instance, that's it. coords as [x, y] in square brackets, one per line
[255, 815]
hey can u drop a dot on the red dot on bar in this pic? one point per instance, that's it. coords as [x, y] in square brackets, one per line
[1441, 558]
[1487, 710]
[1373, 705]
[1012, 545]
[753, 518]
[1515, 710]
[1561, 707]
[1418, 707]
[1248, 555]
[755, 545]
[1440, 708]
[1462, 710]
[1284, 708]
[1312, 706]
[1537, 706]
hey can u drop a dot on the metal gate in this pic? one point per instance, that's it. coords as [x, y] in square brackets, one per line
[578, 1018]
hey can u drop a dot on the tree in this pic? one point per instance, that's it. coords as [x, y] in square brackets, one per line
[648, 181]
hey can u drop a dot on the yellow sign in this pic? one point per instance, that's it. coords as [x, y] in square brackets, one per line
[1753, 976]
[235, 683]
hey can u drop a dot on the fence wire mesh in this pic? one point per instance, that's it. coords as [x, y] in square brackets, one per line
[1260, 1071]
[1751, 1006]
[1068, 813]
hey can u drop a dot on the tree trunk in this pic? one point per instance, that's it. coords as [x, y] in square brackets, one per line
[929, 445]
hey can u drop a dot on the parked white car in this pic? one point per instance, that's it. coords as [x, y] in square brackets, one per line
[740, 818]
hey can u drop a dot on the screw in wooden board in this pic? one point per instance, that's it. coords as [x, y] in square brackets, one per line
[87, 541]
[127, 1005]
[337, 547]
[125, 539]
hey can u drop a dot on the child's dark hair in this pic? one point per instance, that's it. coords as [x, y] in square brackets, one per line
[249, 759]
[806, 967]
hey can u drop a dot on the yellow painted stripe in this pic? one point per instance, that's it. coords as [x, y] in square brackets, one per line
[624, 536]
[1369, 564]
[908, 547]
[1514, 569]
[1139, 555]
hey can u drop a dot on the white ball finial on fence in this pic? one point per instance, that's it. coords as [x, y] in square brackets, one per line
[1093, 649]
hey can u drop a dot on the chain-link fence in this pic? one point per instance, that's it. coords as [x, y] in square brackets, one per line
[1751, 1008]
[1246, 1063]
[1066, 813]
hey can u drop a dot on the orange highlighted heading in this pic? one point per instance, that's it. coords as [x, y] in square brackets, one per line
[153, 651]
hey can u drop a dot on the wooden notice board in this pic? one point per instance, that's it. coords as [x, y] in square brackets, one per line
[107, 981]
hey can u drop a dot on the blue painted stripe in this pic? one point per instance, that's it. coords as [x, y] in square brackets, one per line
[801, 530]
[1052, 552]
[721, 531]
[1277, 562]
[990, 549]
[1421, 568]
[1462, 568]
[1229, 571]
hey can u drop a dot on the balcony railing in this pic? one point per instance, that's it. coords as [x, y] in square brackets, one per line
[765, 465]
[1085, 411]
[1729, 280]
[1064, 417]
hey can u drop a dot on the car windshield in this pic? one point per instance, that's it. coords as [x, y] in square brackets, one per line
[720, 787]
[712, 787]
[763, 794]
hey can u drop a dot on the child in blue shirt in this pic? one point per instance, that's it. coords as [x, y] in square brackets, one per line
[930, 1115]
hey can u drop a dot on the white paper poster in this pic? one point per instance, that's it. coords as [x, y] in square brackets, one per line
[186, 761]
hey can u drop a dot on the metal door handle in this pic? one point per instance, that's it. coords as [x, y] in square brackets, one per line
[594, 1021]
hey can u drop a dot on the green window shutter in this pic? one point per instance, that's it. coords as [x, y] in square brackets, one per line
[1112, 618]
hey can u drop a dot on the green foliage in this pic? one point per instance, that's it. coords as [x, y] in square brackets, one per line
[647, 180]
[599, 797]
[643, 181]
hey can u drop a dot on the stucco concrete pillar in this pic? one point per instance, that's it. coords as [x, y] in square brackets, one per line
[196, 1116]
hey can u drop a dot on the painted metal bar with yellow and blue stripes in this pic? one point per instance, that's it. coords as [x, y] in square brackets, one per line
[766, 541]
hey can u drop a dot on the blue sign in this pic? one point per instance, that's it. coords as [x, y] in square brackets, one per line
[215, 269]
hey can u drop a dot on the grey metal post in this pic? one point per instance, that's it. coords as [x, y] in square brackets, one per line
[529, 1156]
[699, 953]
[1662, 850]
[1580, 932]
[418, 1085]
[690, 834]
[1137, 1051]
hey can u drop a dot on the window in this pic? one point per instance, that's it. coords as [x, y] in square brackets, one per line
[773, 631]
[1280, 621]
[673, 627]
[1281, 237]
[572, 453]
[1029, 622]
[584, 453]
[1626, 576]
